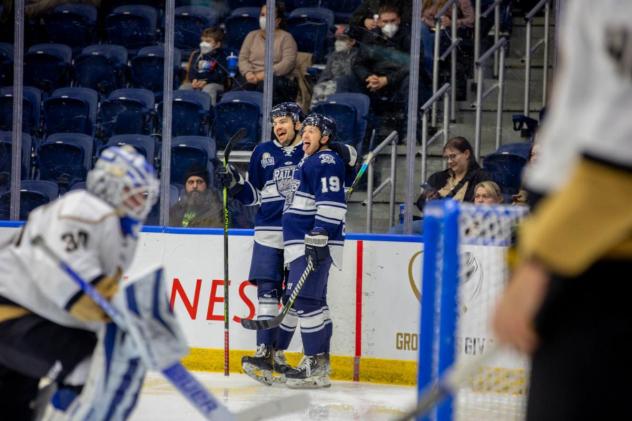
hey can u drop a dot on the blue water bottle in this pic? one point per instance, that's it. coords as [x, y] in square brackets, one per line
[231, 60]
[402, 210]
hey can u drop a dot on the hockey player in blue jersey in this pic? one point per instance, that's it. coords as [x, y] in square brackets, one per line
[270, 177]
[313, 226]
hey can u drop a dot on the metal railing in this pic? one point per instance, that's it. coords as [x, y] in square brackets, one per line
[440, 57]
[530, 50]
[391, 139]
[442, 93]
[495, 7]
[480, 95]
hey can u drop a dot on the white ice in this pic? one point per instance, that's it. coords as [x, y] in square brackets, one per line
[159, 401]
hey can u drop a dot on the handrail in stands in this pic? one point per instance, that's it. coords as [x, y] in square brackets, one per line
[391, 139]
[530, 50]
[437, 57]
[442, 93]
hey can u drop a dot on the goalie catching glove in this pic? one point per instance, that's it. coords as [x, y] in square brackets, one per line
[316, 247]
[229, 177]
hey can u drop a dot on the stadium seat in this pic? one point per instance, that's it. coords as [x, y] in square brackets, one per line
[154, 215]
[6, 153]
[343, 9]
[147, 68]
[311, 30]
[132, 26]
[101, 67]
[190, 111]
[33, 193]
[6, 64]
[47, 66]
[506, 170]
[235, 110]
[519, 148]
[291, 5]
[31, 99]
[145, 145]
[252, 12]
[65, 158]
[71, 110]
[191, 151]
[351, 112]
[126, 111]
[190, 21]
[235, 4]
[71, 24]
[237, 26]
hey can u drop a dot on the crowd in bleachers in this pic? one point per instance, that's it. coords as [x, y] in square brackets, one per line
[93, 77]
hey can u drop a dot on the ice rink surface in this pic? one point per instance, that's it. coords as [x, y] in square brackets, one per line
[159, 401]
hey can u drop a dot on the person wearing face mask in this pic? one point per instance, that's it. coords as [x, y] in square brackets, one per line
[338, 74]
[252, 59]
[364, 16]
[207, 68]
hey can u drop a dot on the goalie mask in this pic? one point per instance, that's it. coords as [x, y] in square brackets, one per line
[124, 179]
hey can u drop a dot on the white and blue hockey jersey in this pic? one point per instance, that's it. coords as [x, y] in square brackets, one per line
[319, 201]
[270, 178]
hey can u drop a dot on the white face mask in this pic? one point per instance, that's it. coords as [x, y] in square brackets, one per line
[341, 46]
[390, 29]
[262, 22]
[206, 47]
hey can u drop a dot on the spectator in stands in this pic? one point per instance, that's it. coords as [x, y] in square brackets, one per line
[200, 206]
[338, 75]
[464, 23]
[487, 193]
[366, 15]
[207, 68]
[252, 59]
[459, 179]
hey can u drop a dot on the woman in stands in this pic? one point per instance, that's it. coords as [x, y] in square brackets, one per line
[487, 193]
[252, 59]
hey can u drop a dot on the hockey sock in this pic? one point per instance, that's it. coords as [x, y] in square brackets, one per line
[313, 315]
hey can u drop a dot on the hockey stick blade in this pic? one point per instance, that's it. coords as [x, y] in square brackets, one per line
[456, 376]
[274, 408]
[177, 374]
[236, 138]
[276, 321]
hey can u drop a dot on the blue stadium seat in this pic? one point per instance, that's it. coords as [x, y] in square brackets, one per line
[351, 112]
[154, 215]
[343, 9]
[79, 185]
[310, 14]
[235, 4]
[236, 28]
[65, 158]
[291, 5]
[126, 111]
[47, 66]
[506, 170]
[312, 32]
[147, 68]
[235, 110]
[33, 193]
[6, 64]
[190, 21]
[71, 24]
[31, 99]
[145, 145]
[190, 113]
[101, 67]
[132, 26]
[71, 110]
[252, 12]
[191, 151]
[5, 154]
[519, 148]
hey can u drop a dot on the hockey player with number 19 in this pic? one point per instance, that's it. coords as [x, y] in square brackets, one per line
[313, 228]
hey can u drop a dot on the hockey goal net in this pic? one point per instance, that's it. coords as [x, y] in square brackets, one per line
[464, 271]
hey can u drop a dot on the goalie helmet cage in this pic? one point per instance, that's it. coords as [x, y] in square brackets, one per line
[464, 270]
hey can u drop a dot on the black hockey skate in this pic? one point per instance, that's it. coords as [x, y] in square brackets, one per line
[312, 373]
[266, 366]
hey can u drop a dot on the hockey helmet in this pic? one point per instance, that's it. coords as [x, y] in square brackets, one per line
[291, 109]
[326, 124]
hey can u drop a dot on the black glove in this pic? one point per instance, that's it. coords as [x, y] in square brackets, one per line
[316, 247]
[347, 152]
[230, 178]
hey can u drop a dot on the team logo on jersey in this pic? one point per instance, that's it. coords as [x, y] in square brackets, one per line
[267, 160]
[327, 159]
[283, 178]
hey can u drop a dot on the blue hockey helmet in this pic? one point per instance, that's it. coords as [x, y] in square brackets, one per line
[291, 109]
[325, 124]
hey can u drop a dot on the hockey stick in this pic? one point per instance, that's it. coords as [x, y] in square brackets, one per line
[177, 374]
[239, 135]
[454, 377]
[270, 323]
[359, 175]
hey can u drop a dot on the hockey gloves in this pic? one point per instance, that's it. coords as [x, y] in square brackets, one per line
[230, 178]
[347, 152]
[316, 246]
